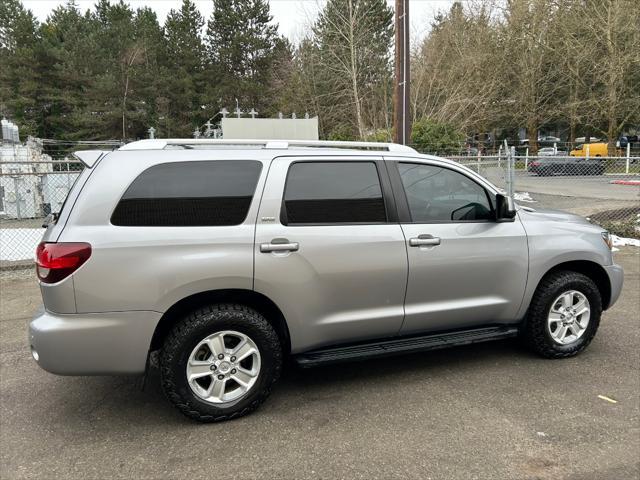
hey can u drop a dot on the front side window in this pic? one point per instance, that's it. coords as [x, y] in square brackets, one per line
[437, 194]
[194, 194]
[333, 192]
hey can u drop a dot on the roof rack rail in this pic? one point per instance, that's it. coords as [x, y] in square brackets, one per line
[159, 144]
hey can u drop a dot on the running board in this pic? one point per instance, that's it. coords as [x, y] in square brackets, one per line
[401, 345]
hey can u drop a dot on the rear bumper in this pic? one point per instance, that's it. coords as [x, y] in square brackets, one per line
[616, 279]
[92, 343]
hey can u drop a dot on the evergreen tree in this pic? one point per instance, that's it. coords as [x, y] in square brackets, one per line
[151, 75]
[68, 51]
[185, 79]
[122, 101]
[19, 76]
[282, 68]
[241, 44]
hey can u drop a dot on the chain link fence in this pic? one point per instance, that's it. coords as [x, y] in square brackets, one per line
[36, 177]
[604, 189]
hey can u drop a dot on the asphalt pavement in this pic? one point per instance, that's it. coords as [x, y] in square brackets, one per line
[489, 411]
[595, 187]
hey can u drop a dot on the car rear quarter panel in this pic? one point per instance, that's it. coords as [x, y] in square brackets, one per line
[60, 297]
[151, 268]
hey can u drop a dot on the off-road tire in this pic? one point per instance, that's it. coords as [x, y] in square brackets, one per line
[199, 324]
[534, 331]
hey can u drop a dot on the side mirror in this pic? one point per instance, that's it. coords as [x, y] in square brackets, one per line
[505, 208]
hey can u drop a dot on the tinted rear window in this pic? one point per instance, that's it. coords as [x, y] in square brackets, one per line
[333, 192]
[196, 194]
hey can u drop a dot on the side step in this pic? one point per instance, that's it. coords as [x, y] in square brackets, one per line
[399, 345]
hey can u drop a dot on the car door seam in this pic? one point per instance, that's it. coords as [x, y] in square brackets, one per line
[255, 226]
[406, 285]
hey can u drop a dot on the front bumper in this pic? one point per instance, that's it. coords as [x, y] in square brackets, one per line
[616, 279]
[92, 343]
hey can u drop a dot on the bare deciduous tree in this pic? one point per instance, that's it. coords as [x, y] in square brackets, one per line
[353, 45]
[614, 27]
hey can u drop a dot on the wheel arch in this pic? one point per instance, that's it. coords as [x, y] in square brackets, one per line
[590, 269]
[250, 298]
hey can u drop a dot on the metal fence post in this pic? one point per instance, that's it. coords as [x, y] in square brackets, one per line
[512, 167]
[526, 159]
[479, 157]
[17, 195]
[626, 169]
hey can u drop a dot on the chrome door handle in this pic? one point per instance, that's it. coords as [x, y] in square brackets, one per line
[424, 241]
[279, 245]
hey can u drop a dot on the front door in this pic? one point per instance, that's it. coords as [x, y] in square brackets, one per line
[465, 269]
[328, 252]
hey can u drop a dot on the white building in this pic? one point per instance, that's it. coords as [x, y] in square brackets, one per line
[270, 128]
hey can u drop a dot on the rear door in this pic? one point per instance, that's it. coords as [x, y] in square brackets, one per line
[329, 250]
[465, 269]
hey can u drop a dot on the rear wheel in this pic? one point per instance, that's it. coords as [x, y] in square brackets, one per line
[564, 315]
[220, 362]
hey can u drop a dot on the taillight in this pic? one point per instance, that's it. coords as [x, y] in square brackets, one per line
[56, 261]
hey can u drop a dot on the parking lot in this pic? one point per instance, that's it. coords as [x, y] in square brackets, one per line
[485, 411]
[595, 187]
[583, 195]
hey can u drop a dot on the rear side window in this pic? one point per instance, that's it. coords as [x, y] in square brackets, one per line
[189, 194]
[333, 192]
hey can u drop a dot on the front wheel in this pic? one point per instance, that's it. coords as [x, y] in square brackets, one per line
[220, 362]
[563, 316]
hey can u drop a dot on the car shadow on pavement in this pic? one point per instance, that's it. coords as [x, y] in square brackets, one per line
[122, 401]
[399, 370]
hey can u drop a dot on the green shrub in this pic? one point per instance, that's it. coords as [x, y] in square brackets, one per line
[434, 137]
[380, 135]
[342, 133]
[626, 229]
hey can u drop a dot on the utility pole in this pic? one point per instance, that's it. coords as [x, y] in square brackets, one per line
[401, 107]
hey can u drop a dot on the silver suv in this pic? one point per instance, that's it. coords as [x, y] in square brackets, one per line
[221, 259]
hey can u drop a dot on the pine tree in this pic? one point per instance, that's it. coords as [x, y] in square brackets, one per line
[185, 78]
[122, 99]
[67, 49]
[241, 44]
[19, 74]
[151, 75]
[280, 95]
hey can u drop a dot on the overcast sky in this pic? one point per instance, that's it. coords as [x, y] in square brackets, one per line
[291, 15]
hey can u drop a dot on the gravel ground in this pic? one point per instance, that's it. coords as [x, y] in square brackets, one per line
[489, 411]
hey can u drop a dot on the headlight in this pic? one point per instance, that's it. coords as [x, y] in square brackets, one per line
[606, 236]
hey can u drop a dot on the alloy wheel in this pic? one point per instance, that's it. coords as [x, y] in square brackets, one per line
[223, 367]
[569, 317]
